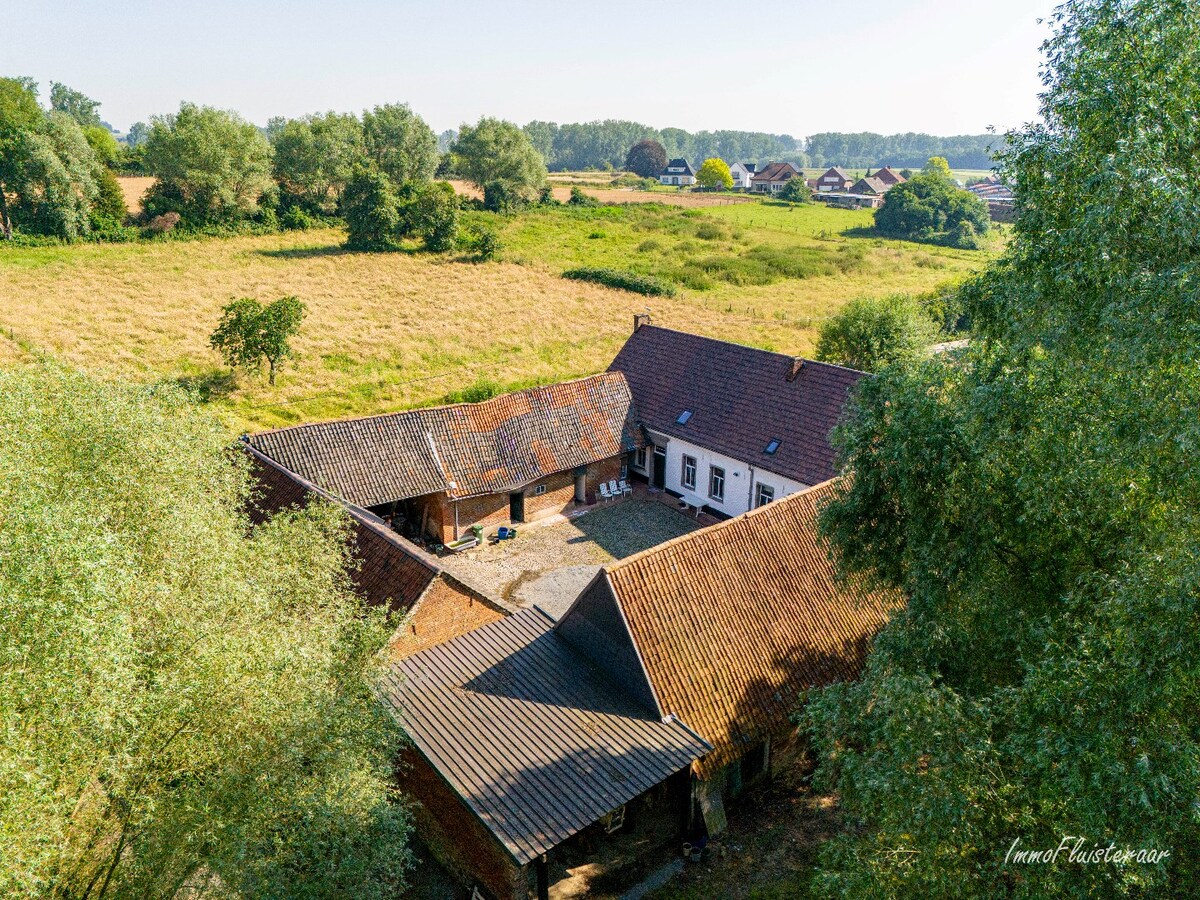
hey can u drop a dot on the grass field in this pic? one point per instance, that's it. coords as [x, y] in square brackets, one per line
[388, 331]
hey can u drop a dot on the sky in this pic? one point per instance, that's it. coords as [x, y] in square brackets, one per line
[800, 67]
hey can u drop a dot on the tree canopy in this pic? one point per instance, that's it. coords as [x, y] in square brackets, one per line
[315, 158]
[185, 697]
[871, 333]
[400, 143]
[494, 151]
[250, 332]
[714, 173]
[1035, 500]
[76, 104]
[930, 207]
[646, 158]
[212, 165]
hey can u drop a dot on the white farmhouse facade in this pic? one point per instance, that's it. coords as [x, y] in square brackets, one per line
[678, 172]
[742, 174]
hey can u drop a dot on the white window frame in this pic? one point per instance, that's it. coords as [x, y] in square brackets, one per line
[715, 474]
[639, 458]
[688, 463]
[760, 490]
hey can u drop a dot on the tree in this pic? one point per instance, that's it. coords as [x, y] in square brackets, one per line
[435, 216]
[185, 696]
[646, 158]
[212, 166]
[20, 115]
[401, 144]
[108, 211]
[249, 332]
[79, 106]
[542, 135]
[937, 165]
[500, 152]
[315, 157]
[51, 173]
[932, 208]
[1035, 501]
[372, 212]
[870, 333]
[103, 144]
[138, 132]
[795, 191]
[714, 173]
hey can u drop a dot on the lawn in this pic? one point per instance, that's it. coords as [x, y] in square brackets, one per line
[388, 331]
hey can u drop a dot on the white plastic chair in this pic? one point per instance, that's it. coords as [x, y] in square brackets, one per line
[624, 487]
[605, 493]
[613, 490]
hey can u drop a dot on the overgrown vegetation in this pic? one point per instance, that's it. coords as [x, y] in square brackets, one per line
[625, 281]
[871, 333]
[931, 208]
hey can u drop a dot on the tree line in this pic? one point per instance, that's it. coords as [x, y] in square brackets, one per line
[964, 151]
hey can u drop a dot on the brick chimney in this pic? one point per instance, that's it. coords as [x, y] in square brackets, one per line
[640, 319]
[797, 365]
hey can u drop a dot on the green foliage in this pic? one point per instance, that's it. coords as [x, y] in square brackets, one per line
[1035, 500]
[625, 281]
[400, 143]
[79, 106]
[50, 172]
[870, 333]
[372, 212]
[580, 197]
[933, 209]
[795, 191]
[647, 158]
[435, 216]
[213, 167]
[494, 152]
[103, 144]
[965, 151]
[483, 389]
[108, 211]
[714, 173]
[937, 165]
[502, 197]
[249, 332]
[185, 697]
[295, 219]
[315, 157]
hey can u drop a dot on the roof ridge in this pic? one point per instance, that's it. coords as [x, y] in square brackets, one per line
[439, 406]
[712, 529]
[787, 356]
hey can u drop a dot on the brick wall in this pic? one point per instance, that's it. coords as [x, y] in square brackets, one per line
[456, 837]
[446, 610]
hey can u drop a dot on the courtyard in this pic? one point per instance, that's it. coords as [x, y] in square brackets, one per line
[549, 564]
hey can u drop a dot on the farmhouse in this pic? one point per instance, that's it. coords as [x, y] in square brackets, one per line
[743, 174]
[889, 176]
[834, 179]
[730, 428]
[442, 470]
[678, 171]
[665, 689]
[773, 177]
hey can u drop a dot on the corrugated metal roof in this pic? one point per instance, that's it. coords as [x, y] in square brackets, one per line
[741, 399]
[536, 741]
[465, 449]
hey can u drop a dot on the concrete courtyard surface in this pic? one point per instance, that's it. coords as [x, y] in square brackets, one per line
[548, 565]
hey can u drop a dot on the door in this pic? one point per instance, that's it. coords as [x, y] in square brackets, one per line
[516, 507]
[659, 478]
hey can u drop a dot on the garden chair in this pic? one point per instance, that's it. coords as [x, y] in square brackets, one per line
[625, 488]
[604, 492]
[613, 490]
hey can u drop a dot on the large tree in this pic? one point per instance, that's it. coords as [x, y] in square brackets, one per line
[646, 158]
[400, 143]
[76, 104]
[714, 173]
[315, 158]
[185, 698]
[212, 165]
[871, 333]
[930, 207]
[1036, 500]
[494, 151]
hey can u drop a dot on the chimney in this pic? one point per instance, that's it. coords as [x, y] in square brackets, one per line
[797, 365]
[640, 319]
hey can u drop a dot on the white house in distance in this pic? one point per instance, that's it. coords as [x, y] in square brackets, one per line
[678, 172]
[742, 174]
[730, 428]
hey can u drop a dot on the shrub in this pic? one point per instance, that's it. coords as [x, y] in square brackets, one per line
[580, 198]
[649, 246]
[709, 232]
[870, 333]
[546, 197]
[435, 216]
[372, 212]
[625, 281]
[295, 219]
[932, 209]
[485, 241]
[501, 197]
[795, 191]
[108, 211]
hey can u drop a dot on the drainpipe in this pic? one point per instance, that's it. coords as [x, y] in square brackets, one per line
[456, 535]
[750, 499]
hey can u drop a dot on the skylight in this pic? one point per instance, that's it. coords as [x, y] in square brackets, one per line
[683, 417]
[771, 448]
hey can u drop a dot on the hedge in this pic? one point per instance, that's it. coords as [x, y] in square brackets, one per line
[626, 281]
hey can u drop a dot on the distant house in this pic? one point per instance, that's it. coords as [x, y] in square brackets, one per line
[730, 427]
[743, 174]
[440, 470]
[678, 171]
[834, 179]
[889, 176]
[773, 177]
[871, 185]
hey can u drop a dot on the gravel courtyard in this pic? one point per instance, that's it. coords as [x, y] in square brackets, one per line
[548, 565]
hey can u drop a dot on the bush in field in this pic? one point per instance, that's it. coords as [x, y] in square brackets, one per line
[795, 191]
[579, 197]
[501, 197]
[714, 174]
[933, 209]
[108, 210]
[315, 158]
[434, 216]
[482, 240]
[400, 144]
[870, 333]
[213, 167]
[494, 152]
[625, 281]
[372, 212]
[646, 159]
[249, 332]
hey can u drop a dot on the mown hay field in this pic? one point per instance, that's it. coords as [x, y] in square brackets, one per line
[389, 331]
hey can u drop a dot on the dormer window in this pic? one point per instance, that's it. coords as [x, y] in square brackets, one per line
[683, 417]
[771, 448]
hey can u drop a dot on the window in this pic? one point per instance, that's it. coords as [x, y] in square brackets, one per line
[624, 471]
[639, 458]
[539, 490]
[716, 483]
[683, 417]
[771, 448]
[689, 472]
[764, 495]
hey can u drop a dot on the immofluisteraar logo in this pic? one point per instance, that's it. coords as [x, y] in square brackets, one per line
[1071, 849]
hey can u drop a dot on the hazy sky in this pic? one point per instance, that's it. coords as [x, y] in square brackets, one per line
[801, 67]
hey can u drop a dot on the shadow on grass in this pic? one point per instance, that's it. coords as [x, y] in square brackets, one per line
[307, 252]
[207, 386]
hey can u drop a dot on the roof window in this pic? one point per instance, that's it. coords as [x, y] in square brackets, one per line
[683, 417]
[771, 448]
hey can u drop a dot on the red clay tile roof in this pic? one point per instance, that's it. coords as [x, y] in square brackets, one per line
[732, 623]
[741, 399]
[889, 176]
[466, 449]
[783, 171]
